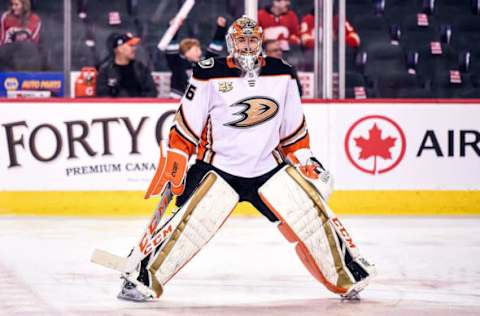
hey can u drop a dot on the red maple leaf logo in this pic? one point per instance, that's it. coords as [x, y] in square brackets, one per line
[375, 146]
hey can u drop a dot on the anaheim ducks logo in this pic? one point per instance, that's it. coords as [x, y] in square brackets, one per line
[256, 110]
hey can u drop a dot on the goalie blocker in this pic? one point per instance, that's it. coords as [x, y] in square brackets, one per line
[322, 243]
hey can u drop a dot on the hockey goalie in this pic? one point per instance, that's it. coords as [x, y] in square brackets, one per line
[242, 117]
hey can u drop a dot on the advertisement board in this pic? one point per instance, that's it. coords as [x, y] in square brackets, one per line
[80, 146]
[28, 83]
[394, 158]
[405, 146]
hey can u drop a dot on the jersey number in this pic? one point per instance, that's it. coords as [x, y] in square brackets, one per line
[190, 92]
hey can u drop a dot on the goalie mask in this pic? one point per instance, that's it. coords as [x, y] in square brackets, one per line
[244, 42]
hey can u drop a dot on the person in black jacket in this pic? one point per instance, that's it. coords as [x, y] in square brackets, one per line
[182, 56]
[122, 75]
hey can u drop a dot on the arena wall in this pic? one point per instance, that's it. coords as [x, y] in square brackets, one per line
[95, 157]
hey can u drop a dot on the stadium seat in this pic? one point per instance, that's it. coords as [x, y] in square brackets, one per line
[474, 62]
[383, 58]
[414, 35]
[429, 64]
[371, 28]
[356, 87]
[353, 93]
[443, 87]
[51, 40]
[359, 7]
[450, 11]
[468, 27]
[401, 85]
[20, 56]
[82, 55]
[354, 79]
[396, 10]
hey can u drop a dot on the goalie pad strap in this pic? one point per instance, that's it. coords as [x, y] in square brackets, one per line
[203, 214]
[306, 222]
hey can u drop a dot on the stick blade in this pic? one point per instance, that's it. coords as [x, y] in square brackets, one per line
[109, 260]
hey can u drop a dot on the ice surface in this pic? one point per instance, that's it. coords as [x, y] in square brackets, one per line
[426, 266]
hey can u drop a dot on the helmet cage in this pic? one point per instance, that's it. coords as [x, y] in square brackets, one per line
[244, 42]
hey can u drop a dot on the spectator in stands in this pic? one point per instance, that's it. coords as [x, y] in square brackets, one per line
[307, 36]
[307, 28]
[19, 23]
[19, 37]
[280, 23]
[122, 75]
[272, 48]
[181, 57]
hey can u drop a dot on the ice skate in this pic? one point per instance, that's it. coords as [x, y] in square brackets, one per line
[353, 295]
[130, 291]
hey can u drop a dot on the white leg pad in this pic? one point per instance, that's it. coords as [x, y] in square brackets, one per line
[202, 215]
[322, 243]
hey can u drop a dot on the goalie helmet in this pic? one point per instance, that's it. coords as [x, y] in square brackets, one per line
[244, 42]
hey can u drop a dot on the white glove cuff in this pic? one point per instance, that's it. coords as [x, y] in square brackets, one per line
[303, 155]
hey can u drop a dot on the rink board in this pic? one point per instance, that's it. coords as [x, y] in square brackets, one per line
[95, 157]
[131, 203]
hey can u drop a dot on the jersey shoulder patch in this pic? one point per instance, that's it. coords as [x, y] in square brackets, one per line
[214, 67]
[207, 63]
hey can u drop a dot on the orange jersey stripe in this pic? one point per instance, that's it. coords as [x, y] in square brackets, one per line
[303, 142]
[296, 133]
[205, 151]
[182, 125]
[202, 147]
[178, 141]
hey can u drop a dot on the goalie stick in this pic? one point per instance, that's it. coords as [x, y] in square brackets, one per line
[152, 237]
[149, 238]
[125, 264]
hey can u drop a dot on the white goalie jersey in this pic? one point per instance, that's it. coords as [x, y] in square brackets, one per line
[243, 126]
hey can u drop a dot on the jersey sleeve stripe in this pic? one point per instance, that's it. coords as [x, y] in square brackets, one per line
[182, 136]
[181, 125]
[298, 132]
[301, 134]
[210, 141]
[205, 149]
[277, 155]
[201, 145]
[303, 142]
[184, 132]
[178, 141]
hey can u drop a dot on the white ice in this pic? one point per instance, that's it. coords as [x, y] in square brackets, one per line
[426, 266]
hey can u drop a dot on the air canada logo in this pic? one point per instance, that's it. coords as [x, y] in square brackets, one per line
[256, 110]
[375, 144]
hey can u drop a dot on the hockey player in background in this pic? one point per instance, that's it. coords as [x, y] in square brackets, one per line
[242, 118]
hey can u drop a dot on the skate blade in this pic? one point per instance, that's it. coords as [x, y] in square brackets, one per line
[351, 296]
[353, 293]
[133, 298]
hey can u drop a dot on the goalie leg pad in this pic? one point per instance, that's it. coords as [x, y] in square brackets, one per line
[202, 215]
[322, 243]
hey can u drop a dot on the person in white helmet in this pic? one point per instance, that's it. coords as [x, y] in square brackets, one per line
[242, 117]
